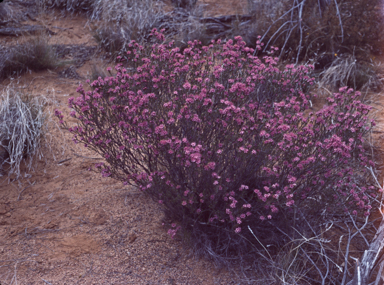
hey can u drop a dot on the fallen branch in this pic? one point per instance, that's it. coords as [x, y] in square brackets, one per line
[78, 155]
[64, 160]
[18, 198]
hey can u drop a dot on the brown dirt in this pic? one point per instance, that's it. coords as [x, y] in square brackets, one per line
[224, 7]
[64, 224]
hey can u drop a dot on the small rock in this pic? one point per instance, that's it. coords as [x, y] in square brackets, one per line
[132, 238]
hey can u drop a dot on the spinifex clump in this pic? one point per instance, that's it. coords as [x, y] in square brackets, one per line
[226, 141]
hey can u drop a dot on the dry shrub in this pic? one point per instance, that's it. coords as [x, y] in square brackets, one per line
[184, 25]
[312, 28]
[347, 70]
[97, 70]
[12, 11]
[123, 21]
[22, 126]
[71, 6]
[187, 4]
[34, 55]
[5, 12]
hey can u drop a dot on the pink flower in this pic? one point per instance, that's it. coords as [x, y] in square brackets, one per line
[263, 133]
[187, 85]
[211, 165]
[237, 230]
[196, 157]
[290, 203]
[172, 232]
[184, 203]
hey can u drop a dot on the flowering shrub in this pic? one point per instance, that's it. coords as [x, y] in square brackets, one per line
[225, 140]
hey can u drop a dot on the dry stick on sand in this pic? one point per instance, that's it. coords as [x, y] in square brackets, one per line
[82, 156]
[78, 155]
[18, 198]
[64, 160]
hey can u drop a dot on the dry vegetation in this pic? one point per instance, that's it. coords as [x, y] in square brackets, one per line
[340, 37]
[24, 123]
[33, 55]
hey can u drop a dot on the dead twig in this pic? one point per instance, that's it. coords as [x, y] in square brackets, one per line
[46, 281]
[18, 198]
[78, 155]
[64, 160]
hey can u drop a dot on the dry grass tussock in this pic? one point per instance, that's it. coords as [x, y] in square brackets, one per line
[347, 70]
[12, 11]
[25, 121]
[34, 54]
[71, 6]
[123, 21]
[313, 29]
